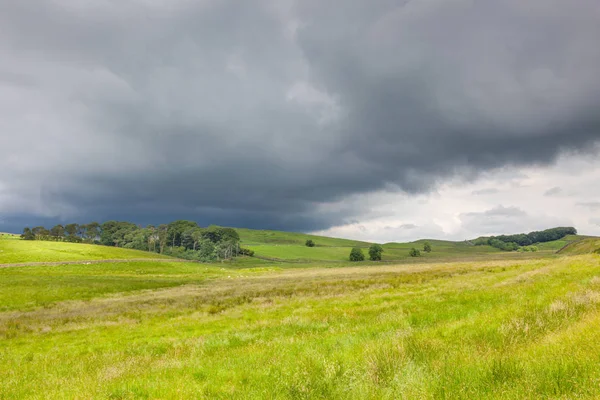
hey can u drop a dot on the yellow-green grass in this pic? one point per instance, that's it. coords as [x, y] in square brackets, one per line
[470, 330]
[556, 245]
[254, 237]
[392, 251]
[584, 246]
[21, 251]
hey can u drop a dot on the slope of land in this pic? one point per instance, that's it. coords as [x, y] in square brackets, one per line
[261, 237]
[26, 251]
[485, 329]
[290, 247]
[585, 245]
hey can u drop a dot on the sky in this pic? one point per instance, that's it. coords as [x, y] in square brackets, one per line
[374, 119]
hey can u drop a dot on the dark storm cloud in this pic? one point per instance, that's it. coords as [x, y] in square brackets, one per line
[258, 113]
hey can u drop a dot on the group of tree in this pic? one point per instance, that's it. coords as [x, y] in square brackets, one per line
[184, 239]
[89, 233]
[414, 252]
[375, 253]
[514, 242]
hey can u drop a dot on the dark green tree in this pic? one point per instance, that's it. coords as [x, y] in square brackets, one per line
[27, 234]
[92, 231]
[57, 232]
[309, 243]
[375, 252]
[71, 229]
[356, 254]
[414, 252]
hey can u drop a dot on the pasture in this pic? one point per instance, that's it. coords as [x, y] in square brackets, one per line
[23, 251]
[499, 329]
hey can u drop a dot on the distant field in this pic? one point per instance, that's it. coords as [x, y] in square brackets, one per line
[20, 251]
[392, 251]
[254, 237]
[490, 329]
[584, 246]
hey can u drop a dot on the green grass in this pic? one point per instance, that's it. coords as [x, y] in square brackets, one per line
[392, 251]
[584, 246]
[493, 329]
[287, 246]
[21, 251]
[556, 245]
[261, 237]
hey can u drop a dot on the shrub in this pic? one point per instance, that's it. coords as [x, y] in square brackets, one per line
[310, 243]
[356, 254]
[427, 247]
[414, 252]
[246, 252]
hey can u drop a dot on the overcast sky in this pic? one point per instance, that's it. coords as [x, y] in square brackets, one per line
[375, 119]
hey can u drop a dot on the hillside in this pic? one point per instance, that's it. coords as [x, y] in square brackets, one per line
[275, 246]
[24, 251]
[584, 245]
[288, 246]
[260, 237]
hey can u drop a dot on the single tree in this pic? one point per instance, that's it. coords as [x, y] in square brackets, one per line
[71, 229]
[92, 231]
[310, 243]
[27, 234]
[57, 232]
[375, 252]
[427, 247]
[414, 252]
[356, 254]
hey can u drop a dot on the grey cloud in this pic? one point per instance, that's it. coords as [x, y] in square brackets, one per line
[590, 205]
[500, 211]
[553, 191]
[484, 192]
[259, 112]
[501, 220]
[402, 227]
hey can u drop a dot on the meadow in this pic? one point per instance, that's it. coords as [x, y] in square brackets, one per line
[518, 328]
[290, 247]
[23, 251]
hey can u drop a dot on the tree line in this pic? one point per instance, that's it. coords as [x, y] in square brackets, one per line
[514, 242]
[181, 238]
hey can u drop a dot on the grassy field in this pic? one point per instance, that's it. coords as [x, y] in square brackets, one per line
[21, 251]
[584, 246]
[504, 329]
[261, 237]
[287, 246]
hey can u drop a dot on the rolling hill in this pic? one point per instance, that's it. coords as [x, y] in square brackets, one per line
[290, 247]
[494, 329]
[28, 251]
[584, 245]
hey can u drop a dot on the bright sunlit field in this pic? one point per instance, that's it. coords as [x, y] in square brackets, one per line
[504, 329]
